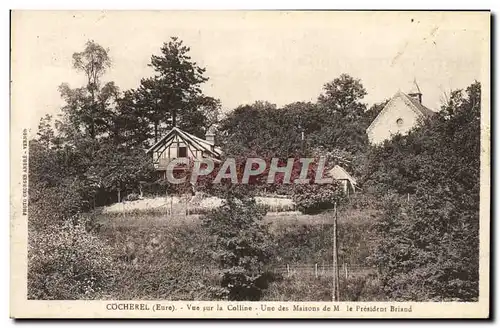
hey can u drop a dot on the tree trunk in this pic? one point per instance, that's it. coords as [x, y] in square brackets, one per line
[119, 196]
[174, 117]
[93, 112]
[156, 131]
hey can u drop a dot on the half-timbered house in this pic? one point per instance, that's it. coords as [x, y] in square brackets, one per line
[178, 143]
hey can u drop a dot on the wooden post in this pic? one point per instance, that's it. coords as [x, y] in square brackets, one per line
[316, 270]
[171, 205]
[335, 291]
[288, 270]
[345, 268]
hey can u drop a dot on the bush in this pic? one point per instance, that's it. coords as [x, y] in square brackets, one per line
[160, 262]
[363, 201]
[67, 262]
[133, 196]
[315, 198]
[427, 252]
[50, 205]
[241, 245]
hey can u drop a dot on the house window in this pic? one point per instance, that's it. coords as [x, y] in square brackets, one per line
[399, 121]
[182, 151]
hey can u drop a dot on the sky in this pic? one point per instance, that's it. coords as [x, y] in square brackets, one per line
[280, 57]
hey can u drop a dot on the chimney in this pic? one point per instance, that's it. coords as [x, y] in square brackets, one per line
[417, 96]
[210, 137]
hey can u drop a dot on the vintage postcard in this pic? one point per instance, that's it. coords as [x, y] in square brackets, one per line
[250, 164]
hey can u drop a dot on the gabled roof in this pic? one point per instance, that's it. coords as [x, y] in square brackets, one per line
[424, 110]
[189, 139]
[338, 173]
[413, 103]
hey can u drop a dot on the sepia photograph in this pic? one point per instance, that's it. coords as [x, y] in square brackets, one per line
[250, 164]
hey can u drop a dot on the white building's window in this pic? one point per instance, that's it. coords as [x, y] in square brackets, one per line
[399, 122]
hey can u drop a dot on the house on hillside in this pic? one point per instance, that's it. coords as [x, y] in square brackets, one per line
[400, 115]
[348, 182]
[178, 143]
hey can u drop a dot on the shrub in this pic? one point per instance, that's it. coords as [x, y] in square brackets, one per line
[363, 200]
[315, 198]
[50, 205]
[67, 262]
[241, 245]
[133, 196]
[428, 252]
[160, 262]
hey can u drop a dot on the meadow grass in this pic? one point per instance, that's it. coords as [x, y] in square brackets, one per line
[172, 259]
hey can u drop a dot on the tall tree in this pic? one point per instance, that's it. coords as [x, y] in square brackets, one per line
[340, 110]
[103, 133]
[88, 109]
[343, 95]
[172, 97]
[263, 129]
[210, 108]
[129, 126]
[46, 135]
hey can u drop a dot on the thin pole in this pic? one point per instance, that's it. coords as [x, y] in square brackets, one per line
[335, 291]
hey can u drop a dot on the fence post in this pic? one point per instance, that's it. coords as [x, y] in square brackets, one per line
[336, 286]
[288, 270]
[345, 268]
[171, 205]
[316, 270]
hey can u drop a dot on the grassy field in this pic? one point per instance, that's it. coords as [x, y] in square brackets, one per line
[171, 259]
[160, 212]
[188, 205]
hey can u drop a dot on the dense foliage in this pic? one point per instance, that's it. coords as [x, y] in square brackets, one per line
[93, 155]
[425, 243]
[67, 262]
[335, 122]
[429, 242]
[242, 247]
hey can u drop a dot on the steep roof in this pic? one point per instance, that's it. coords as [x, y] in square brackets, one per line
[413, 103]
[338, 173]
[424, 110]
[191, 140]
